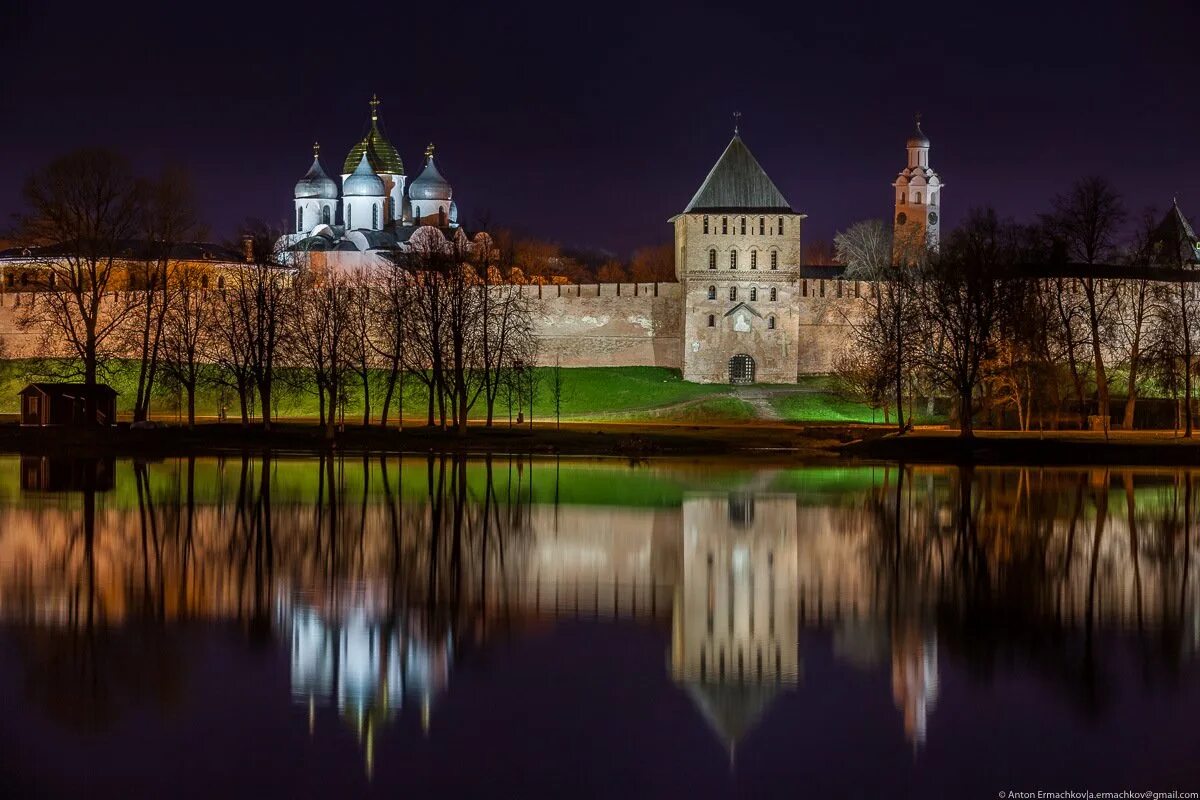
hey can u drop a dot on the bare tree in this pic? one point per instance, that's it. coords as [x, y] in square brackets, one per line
[961, 294]
[88, 204]
[866, 250]
[653, 264]
[319, 334]
[506, 335]
[168, 221]
[257, 293]
[1087, 220]
[188, 330]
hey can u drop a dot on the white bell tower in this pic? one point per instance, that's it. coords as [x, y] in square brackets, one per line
[918, 203]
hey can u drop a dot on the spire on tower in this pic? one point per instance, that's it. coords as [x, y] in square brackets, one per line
[316, 149]
[374, 104]
[429, 150]
[737, 118]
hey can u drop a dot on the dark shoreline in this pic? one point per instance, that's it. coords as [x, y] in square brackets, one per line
[774, 443]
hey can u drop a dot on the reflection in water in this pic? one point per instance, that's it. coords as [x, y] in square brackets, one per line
[380, 575]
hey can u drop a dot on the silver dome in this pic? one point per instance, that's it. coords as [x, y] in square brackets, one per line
[316, 184]
[430, 185]
[363, 182]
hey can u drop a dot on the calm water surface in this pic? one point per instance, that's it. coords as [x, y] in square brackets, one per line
[306, 627]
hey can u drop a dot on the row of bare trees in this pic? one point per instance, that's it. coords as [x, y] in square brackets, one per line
[1025, 320]
[119, 280]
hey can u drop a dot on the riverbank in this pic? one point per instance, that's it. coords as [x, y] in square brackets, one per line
[633, 440]
[1057, 448]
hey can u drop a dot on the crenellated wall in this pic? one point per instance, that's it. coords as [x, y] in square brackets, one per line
[608, 324]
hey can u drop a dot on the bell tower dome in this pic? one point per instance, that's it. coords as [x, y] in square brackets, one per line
[918, 203]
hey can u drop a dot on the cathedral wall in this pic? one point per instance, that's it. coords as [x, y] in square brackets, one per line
[608, 324]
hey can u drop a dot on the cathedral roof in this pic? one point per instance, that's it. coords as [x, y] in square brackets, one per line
[430, 185]
[363, 182]
[316, 183]
[379, 151]
[736, 183]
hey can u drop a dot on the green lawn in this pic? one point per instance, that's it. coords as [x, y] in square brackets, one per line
[588, 393]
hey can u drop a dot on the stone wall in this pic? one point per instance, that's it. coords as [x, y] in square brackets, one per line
[608, 324]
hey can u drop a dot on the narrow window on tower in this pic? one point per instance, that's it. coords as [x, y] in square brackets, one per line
[774, 259]
[774, 295]
[839, 287]
[743, 226]
[724, 224]
[712, 293]
[804, 288]
[712, 259]
[733, 259]
[325, 215]
[762, 225]
[712, 321]
[781, 226]
[822, 288]
[918, 197]
[753, 294]
[299, 220]
[733, 293]
[706, 223]
[374, 216]
[753, 259]
[770, 323]
[350, 217]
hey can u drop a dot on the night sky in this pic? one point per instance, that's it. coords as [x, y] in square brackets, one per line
[592, 124]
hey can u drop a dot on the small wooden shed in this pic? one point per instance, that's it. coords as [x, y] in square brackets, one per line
[67, 404]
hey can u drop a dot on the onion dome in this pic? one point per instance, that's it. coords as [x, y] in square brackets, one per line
[315, 183]
[918, 139]
[378, 150]
[363, 182]
[430, 185]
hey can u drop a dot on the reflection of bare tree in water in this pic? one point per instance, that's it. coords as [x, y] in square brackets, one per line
[1039, 566]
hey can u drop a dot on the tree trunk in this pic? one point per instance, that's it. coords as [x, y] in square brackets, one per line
[191, 405]
[1131, 398]
[964, 414]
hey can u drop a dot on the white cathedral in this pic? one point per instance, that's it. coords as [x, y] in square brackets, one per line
[377, 209]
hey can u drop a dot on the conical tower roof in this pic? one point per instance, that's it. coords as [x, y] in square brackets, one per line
[738, 183]
[378, 150]
[1174, 242]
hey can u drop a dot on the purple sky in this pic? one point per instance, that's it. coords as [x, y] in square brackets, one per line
[591, 125]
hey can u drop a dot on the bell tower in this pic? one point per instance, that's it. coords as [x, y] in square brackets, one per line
[918, 203]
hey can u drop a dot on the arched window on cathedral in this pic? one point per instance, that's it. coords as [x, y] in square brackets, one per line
[299, 220]
[324, 215]
[712, 293]
[203, 281]
[417, 215]
[220, 281]
[712, 259]
[712, 321]
[753, 293]
[781, 226]
[774, 295]
[374, 216]
[441, 216]
[743, 226]
[753, 259]
[774, 259]
[770, 323]
[733, 259]
[349, 216]
[733, 293]
[706, 223]
[918, 200]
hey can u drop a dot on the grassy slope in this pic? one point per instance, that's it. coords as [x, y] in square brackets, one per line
[591, 393]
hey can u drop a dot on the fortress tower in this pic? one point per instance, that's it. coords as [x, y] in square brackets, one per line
[737, 257]
[918, 202]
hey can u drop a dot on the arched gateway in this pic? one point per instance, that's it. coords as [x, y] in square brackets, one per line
[741, 369]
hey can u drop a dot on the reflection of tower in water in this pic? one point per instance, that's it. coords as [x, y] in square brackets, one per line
[915, 680]
[735, 635]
